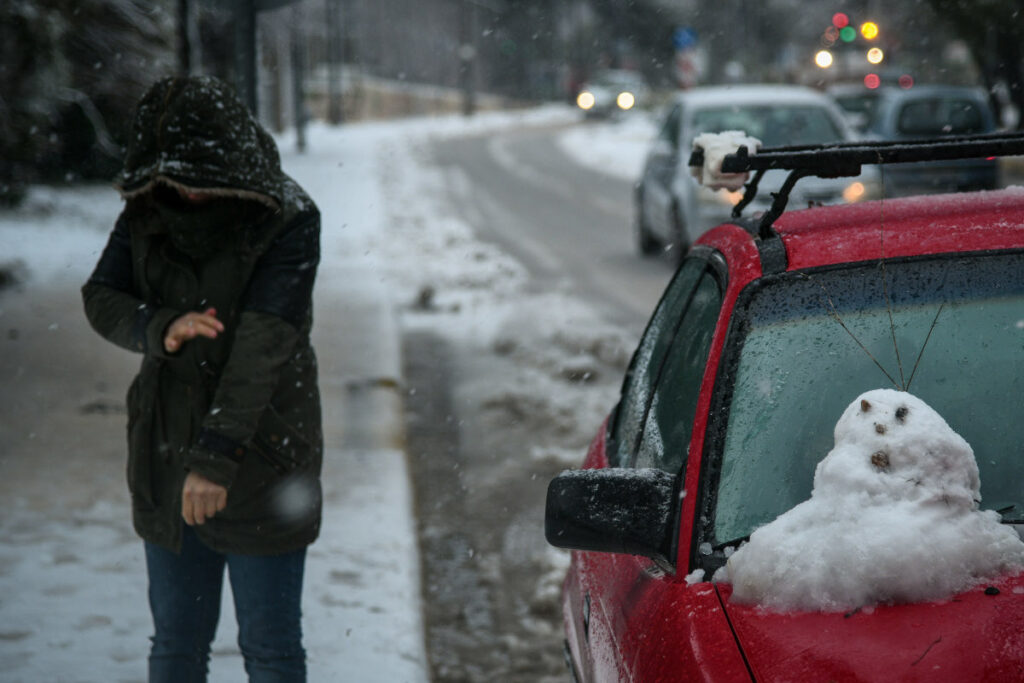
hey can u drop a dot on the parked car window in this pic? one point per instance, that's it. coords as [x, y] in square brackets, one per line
[670, 128]
[666, 437]
[937, 116]
[773, 125]
[647, 361]
[781, 417]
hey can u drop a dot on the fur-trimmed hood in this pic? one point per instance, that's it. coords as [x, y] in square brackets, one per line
[194, 133]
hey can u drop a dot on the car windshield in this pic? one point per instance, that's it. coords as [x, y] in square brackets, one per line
[773, 125]
[798, 369]
[617, 79]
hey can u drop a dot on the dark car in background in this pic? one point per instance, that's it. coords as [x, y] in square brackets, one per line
[933, 111]
[857, 102]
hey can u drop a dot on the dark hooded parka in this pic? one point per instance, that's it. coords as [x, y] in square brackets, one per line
[243, 409]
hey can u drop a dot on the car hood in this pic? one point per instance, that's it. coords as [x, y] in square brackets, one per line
[975, 636]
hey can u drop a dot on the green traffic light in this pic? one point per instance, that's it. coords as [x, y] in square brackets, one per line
[847, 34]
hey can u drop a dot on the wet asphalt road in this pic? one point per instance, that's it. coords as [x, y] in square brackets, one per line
[491, 602]
[569, 225]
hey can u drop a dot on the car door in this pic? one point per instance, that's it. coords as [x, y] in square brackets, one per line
[659, 172]
[651, 428]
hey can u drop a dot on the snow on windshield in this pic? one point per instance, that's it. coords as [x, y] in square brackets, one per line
[893, 517]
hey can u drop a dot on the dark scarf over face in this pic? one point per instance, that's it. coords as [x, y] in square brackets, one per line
[201, 230]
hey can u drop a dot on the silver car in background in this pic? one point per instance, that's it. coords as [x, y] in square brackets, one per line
[672, 210]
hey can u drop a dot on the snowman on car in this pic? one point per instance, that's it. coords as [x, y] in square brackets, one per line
[893, 517]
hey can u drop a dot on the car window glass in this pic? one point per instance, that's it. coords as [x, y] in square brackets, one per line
[940, 116]
[670, 127]
[647, 360]
[799, 369]
[773, 125]
[669, 423]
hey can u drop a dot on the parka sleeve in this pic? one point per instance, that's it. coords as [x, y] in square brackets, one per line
[276, 314]
[114, 307]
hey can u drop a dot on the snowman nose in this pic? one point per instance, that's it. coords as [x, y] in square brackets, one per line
[880, 460]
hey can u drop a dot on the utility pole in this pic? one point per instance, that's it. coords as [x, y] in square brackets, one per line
[298, 85]
[468, 53]
[244, 15]
[245, 51]
[184, 47]
[335, 45]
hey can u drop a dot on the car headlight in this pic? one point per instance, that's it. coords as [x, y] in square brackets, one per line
[625, 100]
[855, 191]
[721, 197]
[585, 100]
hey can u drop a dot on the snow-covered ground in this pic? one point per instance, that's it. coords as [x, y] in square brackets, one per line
[72, 587]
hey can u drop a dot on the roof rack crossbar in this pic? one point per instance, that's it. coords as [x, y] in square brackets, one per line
[844, 159]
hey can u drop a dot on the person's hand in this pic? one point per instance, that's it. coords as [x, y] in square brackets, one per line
[190, 326]
[201, 499]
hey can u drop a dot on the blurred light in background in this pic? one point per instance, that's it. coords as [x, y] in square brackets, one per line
[840, 20]
[854, 191]
[585, 100]
[847, 34]
[872, 81]
[875, 55]
[731, 197]
[625, 100]
[823, 59]
[869, 30]
[906, 81]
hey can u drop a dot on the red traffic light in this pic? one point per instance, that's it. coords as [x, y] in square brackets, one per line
[840, 20]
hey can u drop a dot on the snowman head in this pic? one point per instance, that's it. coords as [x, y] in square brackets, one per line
[892, 444]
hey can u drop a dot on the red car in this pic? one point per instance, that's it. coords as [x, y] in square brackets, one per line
[767, 331]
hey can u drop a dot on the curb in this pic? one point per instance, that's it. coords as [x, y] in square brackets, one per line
[370, 531]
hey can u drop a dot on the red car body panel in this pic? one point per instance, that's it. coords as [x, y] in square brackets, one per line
[630, 599]
[973, 637]
[905, 227]
[627, 620]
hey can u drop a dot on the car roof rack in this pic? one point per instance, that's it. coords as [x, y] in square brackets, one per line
[845, 159]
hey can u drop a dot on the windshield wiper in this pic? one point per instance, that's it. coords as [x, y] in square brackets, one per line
[1008, 518]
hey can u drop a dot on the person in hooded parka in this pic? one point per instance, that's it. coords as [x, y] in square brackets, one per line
[208, 275]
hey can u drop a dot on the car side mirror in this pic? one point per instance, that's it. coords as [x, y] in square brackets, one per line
[612, 510]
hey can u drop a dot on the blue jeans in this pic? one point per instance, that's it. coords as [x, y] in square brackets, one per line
[184, 597]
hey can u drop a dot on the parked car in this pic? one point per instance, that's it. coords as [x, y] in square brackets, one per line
[611, 91]
[671, 210]
[768, 330]
[857, 102]
[933, 111]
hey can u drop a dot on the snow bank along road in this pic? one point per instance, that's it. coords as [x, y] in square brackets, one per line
[510, 366]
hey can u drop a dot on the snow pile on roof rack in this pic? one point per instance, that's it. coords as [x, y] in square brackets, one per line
[716, 146]
[893, 517]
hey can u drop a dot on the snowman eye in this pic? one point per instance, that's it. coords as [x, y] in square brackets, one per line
[880, 428]
[865, 406]
[901, 414]
[880, 460]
